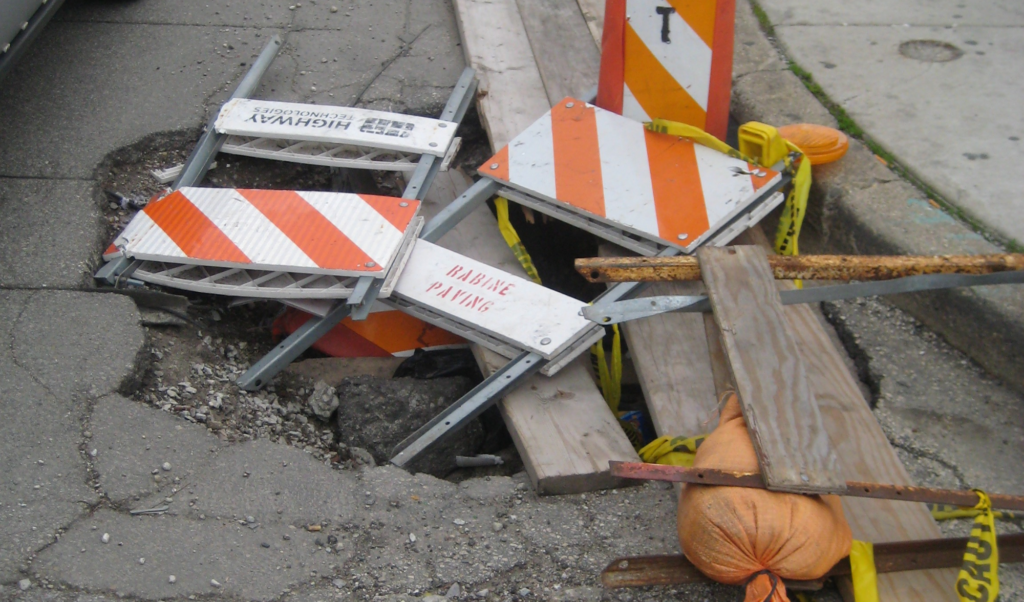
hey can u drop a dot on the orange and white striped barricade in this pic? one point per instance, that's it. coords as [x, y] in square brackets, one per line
[643, 190]
[668, 59]
[386, 332]
[332, 136]
[269, 243]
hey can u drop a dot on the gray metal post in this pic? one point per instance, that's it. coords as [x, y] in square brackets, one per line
[198, 162]
[468, 407]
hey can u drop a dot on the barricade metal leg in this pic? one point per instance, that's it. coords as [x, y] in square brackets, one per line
[292, 347]
[202, 155]
[470, 406]
[205, 151]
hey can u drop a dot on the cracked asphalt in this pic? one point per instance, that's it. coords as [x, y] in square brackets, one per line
[257, 520]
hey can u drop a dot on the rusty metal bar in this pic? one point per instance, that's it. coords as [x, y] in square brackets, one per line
[710, 476]
[805, 267]
[675, 569]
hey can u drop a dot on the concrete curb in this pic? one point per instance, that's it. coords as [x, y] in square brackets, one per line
[859, 206]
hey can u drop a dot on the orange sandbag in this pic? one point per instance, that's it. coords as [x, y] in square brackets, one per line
[756, 537]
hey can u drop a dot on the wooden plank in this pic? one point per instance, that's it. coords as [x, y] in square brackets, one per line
[867, 454]
[846, 416]
[568, 58]
[670, 355]
[565, 447]
[511, 93]
[785, 426]
[593, 13]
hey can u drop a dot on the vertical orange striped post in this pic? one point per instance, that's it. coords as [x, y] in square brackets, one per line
[668, 59]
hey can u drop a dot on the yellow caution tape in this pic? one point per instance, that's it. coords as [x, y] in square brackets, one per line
[792, 219]
[788, 233]
[947, 511]
[862, 571]
[512, 239]
[978, 580]
[676, 451]
[674, 128]
[609, 378]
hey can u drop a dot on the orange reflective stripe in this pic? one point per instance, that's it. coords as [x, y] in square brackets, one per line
[678, 195]
[501, 160]
[760, 181]
[577, 157]
[192, 231]
[318, 238]
[655, 89]
[391, 210]
[699, 15]
[720, 90]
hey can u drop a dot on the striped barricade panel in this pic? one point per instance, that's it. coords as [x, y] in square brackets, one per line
[304, 232]
[611, 169]
[669, 59]
[503, 312]
[335, 125]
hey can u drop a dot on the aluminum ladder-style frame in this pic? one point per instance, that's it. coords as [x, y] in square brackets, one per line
[359, 304]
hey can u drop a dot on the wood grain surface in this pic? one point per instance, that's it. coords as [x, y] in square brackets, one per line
[785, 425]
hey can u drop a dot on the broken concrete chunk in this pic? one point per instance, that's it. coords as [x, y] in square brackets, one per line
[324, 400]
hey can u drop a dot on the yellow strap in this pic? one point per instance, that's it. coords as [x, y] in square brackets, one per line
[788, 232]
[674, 128]
[677, 451]
[947, 511]
[609, 378]
[978, 580]
[863, 575]
[512, 239]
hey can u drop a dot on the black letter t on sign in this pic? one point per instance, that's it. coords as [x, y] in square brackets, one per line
[664, 11]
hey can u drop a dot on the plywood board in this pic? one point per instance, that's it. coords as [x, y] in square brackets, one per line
[568, 58]
[593, 13]
[785, 426]
[511, 93]
[866, 453]
[866, 456]
[670, 357]
[561, 425]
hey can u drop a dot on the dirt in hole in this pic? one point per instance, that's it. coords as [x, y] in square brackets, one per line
[194, 364]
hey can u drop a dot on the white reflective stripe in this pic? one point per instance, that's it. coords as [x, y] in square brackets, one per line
[631, 106]
[367, 229]
[687, 58]
[144, 237]
[531, 158]
[488, 299]
[725, 190]
[625, 173]
[139, 227]
[255, 235]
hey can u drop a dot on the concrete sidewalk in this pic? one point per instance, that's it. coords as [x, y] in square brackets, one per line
[937, 84]
[859, 206]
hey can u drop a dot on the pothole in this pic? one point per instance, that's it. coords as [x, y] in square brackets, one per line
[930, 51]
